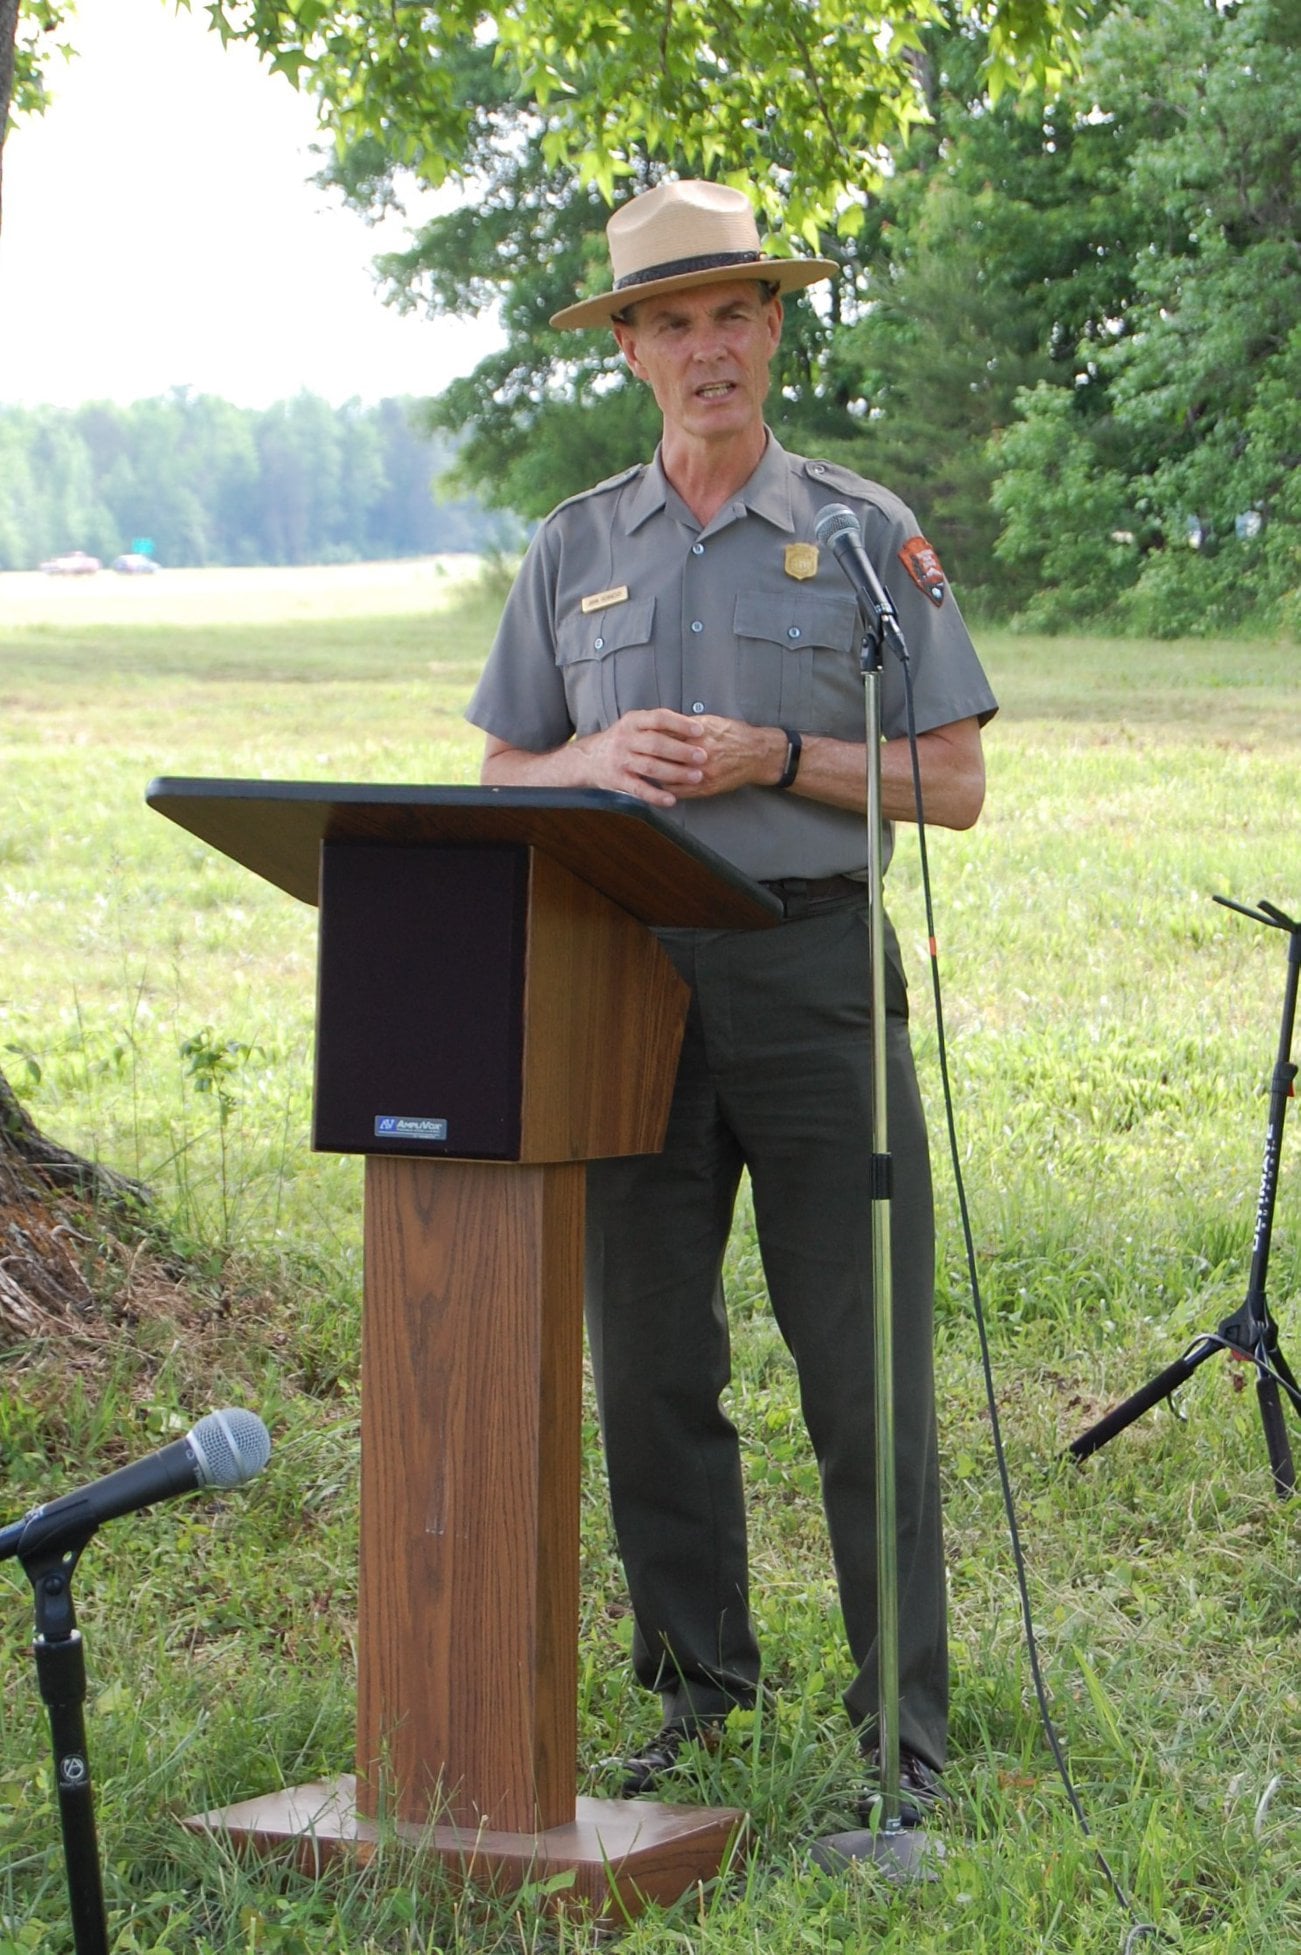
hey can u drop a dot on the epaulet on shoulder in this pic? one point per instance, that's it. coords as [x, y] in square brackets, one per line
[602, 488]
[846, 482]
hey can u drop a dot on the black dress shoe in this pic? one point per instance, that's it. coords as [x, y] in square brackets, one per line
[660, 1758]
[921, 1788]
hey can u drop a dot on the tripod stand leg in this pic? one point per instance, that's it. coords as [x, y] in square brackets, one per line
[1276, 1439]
[1283, 1372]
[1249, 1335]
[1162, 1386]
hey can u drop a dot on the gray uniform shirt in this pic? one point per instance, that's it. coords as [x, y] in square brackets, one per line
[625, 601]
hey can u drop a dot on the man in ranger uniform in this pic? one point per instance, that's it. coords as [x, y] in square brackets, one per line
[676, 634]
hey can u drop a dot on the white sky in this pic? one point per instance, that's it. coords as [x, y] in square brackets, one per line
[159, 231]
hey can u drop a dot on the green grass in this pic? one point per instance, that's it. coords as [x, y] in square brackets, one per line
[1111, 1032]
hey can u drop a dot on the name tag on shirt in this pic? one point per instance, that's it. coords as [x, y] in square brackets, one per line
[602, 600]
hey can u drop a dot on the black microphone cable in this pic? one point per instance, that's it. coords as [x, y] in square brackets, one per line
[1140, 1929]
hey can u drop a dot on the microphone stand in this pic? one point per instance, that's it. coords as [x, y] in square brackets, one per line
[901, 1850]
[61, 1674]
[1250, 1333]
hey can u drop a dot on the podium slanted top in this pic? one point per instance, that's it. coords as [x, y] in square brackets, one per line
[622, 847]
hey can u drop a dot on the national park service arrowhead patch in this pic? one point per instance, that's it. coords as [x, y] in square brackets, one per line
[924, 567]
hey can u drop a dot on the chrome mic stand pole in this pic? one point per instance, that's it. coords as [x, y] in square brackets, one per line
[903, 1852]
[882, 1191]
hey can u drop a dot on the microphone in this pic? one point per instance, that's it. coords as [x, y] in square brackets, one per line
[837, 529]
[224, 1450]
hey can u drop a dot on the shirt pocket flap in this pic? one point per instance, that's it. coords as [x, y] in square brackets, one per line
[795, 619]
[595, 634]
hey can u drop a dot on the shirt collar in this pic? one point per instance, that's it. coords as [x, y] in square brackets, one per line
[767, 493]
[649, 494]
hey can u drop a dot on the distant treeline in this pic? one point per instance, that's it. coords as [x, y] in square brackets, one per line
[202, 482]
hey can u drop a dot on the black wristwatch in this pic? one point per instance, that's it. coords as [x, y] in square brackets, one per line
[794, 748]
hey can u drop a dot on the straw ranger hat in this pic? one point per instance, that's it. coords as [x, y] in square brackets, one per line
[684, 234]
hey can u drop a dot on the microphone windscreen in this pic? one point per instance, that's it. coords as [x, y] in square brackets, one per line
[836, 519]
[230, 1447]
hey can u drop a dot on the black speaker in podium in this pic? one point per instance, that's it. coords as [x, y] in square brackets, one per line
[420, 999]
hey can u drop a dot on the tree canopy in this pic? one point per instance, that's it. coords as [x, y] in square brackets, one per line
[1177, 418]
[29, 35]
[800, 98]
[1064, 330]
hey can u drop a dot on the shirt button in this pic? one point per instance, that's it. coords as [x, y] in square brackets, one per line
[697, 705]
[598, 644]
[817, 468]
[793, 631]
[696, 625]
[697, 549]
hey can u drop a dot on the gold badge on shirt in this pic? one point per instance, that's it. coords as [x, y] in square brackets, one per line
[601, 600]
[801, 560]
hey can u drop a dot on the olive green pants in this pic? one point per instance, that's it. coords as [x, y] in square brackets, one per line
[775, 1077]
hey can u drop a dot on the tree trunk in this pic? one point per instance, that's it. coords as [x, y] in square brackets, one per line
[8, 36]
[49, 1199]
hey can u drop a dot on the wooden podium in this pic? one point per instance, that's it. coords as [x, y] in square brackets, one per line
[491, 1014]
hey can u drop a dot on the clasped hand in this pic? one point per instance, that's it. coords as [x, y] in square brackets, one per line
[664, 757]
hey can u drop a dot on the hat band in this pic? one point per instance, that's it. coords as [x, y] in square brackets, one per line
[678, 267]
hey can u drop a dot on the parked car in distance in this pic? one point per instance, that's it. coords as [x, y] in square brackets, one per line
[75, 564]
[133, 565]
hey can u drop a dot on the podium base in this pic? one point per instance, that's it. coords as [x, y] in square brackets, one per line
[622, 1853]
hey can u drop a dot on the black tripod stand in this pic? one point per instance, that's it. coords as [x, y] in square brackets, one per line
[1250, 1333]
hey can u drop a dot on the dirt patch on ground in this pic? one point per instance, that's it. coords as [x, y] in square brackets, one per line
[64, 1273]
[82, 1267]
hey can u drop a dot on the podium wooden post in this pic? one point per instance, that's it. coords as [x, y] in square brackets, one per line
[491, 1015]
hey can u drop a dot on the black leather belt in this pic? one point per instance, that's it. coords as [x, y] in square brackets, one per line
[799, 892]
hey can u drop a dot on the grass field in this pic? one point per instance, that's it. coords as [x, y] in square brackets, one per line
[1112, 1031]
